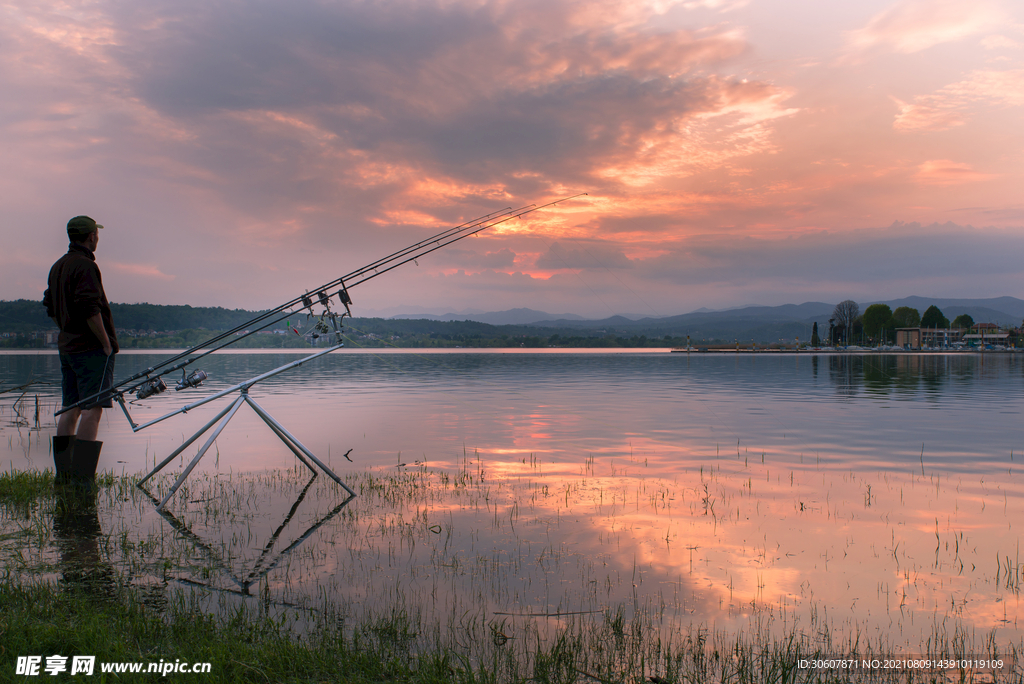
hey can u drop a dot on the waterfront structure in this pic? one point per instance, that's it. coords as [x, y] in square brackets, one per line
[927, 338]
[986, 333]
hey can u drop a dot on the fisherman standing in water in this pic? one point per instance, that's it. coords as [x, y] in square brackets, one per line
[75, 300]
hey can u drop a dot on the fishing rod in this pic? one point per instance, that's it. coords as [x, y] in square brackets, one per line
[155, 385]
[149, 382]
[245, 329]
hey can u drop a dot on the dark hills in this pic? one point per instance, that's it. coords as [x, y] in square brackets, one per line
[764, 324]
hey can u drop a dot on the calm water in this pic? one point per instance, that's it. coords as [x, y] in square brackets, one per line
[871, 494]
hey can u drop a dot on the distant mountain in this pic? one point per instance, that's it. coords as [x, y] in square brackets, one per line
[519, 316]
[744, 318]
[760, 323]
[401, 312]
[771, 323]
[1000, 310]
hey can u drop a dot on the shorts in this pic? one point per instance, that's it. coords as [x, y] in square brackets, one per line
[85, 374]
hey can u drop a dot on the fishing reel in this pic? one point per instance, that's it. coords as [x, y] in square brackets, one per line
[150, 387]
[157, 385]
[345, 299]
[320, 327]
[194, 379]
[325, 301]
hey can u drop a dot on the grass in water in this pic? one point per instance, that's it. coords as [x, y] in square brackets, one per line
[19, 491]
[73, 589]
[251, 646]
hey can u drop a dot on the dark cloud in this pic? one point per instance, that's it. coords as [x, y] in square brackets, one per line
[566, 130]
[720, 270]
[291, 139]
[656, 225]
[593, 255]
[336, 123]
[503, 258]
[478, 93]
[901, 251]
[201, 58]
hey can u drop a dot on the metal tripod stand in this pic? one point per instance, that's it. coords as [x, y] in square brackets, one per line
[225, 416]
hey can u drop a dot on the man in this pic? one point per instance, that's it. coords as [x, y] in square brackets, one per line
[75, 300]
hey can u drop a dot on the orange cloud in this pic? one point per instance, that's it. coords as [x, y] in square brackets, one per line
[313, 130]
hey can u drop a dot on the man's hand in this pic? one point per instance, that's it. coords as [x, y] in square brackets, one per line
[96, 325]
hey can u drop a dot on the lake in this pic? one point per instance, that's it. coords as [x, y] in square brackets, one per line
[871, 495]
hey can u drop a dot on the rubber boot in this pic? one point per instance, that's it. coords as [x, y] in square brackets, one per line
[84, 459]
[63, 446]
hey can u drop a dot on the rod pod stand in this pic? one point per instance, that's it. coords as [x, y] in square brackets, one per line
[224, 417]
[265, 563]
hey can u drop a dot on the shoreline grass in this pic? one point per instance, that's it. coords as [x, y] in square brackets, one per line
[84, 605]
[45, 619]
[252, 646]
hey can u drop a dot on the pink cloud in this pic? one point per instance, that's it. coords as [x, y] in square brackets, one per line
[998, 42]
[928, 114]
[309, 137]
[914, 25]
[946, 172]
[147, 271]
[950, 106]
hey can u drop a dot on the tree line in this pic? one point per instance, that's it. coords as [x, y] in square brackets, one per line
[28, 315]
[878, 323]
[156, 326]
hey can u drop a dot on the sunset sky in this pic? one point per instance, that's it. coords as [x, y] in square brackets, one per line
[734, 152]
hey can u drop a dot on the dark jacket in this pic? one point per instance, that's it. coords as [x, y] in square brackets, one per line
[74, 294]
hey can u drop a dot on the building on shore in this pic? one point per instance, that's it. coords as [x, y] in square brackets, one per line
[982, 334]
[942, 338]
[928, 338]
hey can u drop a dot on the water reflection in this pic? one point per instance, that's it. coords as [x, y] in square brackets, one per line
[77, 533]
[930, 374]
[876, 494]
[223, 559]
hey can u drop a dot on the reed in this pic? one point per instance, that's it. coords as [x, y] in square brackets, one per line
[414, 596]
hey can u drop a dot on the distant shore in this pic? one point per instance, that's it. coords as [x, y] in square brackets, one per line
[829, 350]
[550, 350]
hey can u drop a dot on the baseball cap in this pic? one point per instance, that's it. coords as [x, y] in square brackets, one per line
[80, 226]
